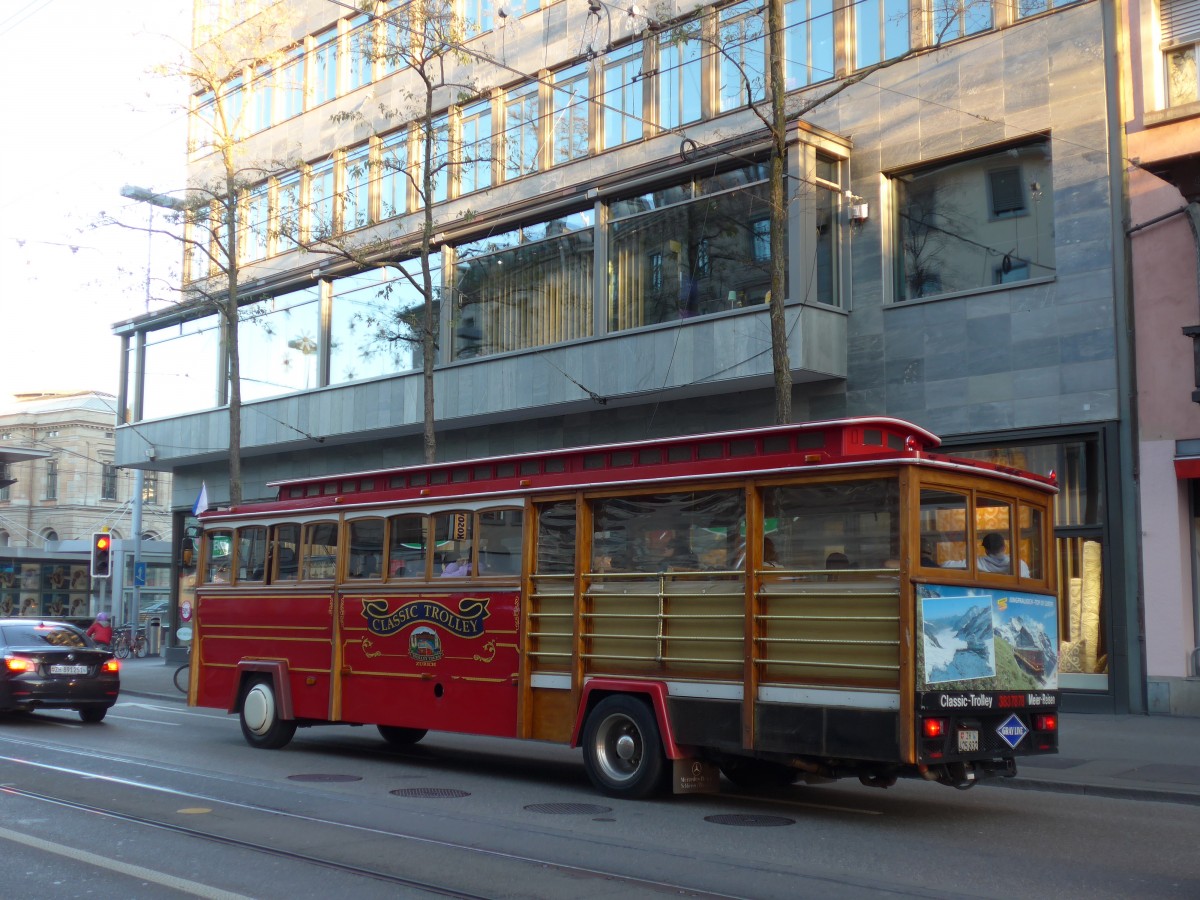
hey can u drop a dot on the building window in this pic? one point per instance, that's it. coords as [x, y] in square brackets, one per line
[624, 106]
[360, 46]
[703, 228]
[743, 60]
[200, 233]
[356, 196]
[181, 372]
[960, 222]
[477, 17]
[521, 131]
[680, 80]
[882, 31]
[262, 98]
[51, 492]
[439, 161]
[256, 223]
[475, 147]
[278, 343]
[325, 66]
[375, 322]
[1180, 27]
[150, 488]
[760, 240]
[525, 288]
[287, 213]
[398, 21]
[202, 122]
[808, 42]
[959, 18]
[1026, 8]
[392, 175]
[321, 201]
[570, 131]
[290, 81]
[6, 480]
[108, 482]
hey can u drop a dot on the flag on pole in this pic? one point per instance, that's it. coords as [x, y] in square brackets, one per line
[201, 503]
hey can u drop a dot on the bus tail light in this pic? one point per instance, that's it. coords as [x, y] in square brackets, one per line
[1045, 722]
[934, 728]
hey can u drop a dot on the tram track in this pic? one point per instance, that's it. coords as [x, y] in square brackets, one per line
[110, 813]
[828, 883]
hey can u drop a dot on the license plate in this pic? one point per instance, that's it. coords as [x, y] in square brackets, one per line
[968, 741]
[68, 670]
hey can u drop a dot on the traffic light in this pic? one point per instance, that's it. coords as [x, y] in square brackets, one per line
[101, 554]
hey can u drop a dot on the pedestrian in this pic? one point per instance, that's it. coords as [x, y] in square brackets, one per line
[101, 631]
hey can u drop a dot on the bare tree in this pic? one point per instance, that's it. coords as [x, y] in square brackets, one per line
[205, 217]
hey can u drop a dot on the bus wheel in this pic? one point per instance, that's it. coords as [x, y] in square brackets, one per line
[401, 737]
[757, 774]
[261, 725]
[622, 749]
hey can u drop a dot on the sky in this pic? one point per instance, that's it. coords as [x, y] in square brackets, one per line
[83, 115]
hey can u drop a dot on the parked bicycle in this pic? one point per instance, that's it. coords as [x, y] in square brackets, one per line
[127, 642]
[182, 674]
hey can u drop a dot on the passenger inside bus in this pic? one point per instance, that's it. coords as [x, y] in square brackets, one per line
[458, 568]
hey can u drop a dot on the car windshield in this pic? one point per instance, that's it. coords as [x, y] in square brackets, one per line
[38, 633]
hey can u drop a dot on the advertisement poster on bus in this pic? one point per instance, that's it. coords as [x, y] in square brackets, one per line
[986, 639]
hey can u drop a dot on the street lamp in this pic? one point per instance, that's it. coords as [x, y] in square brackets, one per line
[152, 199]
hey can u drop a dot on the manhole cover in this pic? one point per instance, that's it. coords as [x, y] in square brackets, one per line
[323, 777]
[568, 809]
[750, 821]
[431, 793]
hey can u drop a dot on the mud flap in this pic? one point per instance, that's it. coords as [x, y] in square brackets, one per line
[694, 776]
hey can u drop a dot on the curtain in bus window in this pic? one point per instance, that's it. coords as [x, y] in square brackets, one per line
[320, 551]
[667, 532]
[1031, 539]
[556, 538]
[251, 553]
[287, 547]
[834, 525]
[406, 550]
[500, 541]
[366, 549]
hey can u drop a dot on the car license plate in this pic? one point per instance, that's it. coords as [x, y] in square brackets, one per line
[968, 741]
[68, 670]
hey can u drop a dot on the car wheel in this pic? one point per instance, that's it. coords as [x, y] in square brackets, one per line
[401, 737]
[261, 725]
[622, 749]
[93, 714]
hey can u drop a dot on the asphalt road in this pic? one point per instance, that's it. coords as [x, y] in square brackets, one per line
[165, 801]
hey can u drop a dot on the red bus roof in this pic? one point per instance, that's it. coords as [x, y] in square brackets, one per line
[831, 443]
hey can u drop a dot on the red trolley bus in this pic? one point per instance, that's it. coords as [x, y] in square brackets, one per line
[816, 600]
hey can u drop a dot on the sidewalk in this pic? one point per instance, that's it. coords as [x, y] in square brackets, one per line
[1132, 757]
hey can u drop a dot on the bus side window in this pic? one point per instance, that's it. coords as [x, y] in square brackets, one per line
[500, 541]
[406, 546]
[366, 548]
[455, 545]
[285, 546]
[556, 538]
[252, 553]
[943, 529]
[216, 569]
[320, 551]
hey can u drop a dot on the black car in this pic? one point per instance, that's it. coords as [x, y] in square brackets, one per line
[53, 665]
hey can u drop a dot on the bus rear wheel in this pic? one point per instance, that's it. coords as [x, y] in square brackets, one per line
[261, 725]
[622, 749]
[401, 737]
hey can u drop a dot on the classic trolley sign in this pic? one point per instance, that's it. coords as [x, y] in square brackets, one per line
[818, 600]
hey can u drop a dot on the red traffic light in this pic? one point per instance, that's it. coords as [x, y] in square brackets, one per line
[101, 555]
